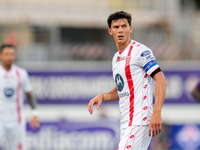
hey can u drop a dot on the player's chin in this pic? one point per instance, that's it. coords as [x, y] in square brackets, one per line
[9, 62]
[120, 42]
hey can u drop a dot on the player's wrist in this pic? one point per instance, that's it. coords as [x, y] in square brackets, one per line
[34, 112]
[157, 111]
[104, 96]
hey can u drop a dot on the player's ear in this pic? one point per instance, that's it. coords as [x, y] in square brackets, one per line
[110, 31]
[131, 29]
[0, 55]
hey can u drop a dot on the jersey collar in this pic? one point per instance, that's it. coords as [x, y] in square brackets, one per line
[120, 52]
[6, 70]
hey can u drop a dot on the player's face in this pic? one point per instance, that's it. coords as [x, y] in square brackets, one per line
[120, 30]
[7, 56]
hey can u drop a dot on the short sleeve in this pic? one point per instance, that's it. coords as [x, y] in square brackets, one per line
[26, 82]
[147, 60]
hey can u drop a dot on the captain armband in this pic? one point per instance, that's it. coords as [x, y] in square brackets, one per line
[155, 72]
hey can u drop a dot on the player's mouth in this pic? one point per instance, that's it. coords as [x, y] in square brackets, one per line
[120, 37]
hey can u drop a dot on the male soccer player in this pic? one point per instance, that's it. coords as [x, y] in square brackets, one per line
[196, 92]
[133, 67]
[14, 82]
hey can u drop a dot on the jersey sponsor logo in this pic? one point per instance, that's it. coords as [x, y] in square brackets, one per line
[119, 82]
[124, 94]
[149, 65]
[145, 53]
[150, 57]
[9, 92]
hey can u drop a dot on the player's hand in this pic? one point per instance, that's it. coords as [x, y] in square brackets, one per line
[97, 100]
[34, 122]
[155, 123]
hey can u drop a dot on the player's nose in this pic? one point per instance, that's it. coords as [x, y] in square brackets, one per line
[120, 30]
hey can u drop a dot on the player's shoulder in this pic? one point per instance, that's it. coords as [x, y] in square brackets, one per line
[139, 47]
[20, 69]
[142, 50]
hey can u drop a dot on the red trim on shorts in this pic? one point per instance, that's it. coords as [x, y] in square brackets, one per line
[131, 137]
[20, 146]
[130, 85]
[135, 135]
[18, 96]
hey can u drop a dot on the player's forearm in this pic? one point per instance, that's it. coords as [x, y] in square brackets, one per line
[160, 91]
[31, 100]
[111, 95]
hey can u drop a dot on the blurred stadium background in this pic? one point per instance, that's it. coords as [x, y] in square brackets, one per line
[67, 51]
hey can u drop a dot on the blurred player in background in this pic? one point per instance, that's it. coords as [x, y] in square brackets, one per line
[196, 92]
[133, 67]
[14, 82]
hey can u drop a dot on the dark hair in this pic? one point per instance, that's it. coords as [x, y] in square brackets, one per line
[119, 15]
[7, 45]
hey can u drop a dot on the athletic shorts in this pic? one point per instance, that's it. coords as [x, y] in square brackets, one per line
[14, 134]
[135, 138]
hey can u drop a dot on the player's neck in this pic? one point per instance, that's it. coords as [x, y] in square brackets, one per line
[7, 67]
[121, 47]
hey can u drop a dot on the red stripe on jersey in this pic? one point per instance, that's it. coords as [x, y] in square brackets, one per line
[130, 85]
[18, 96]
[121, 51]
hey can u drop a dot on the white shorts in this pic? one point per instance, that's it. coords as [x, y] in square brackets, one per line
[135, 138]
[13, 134]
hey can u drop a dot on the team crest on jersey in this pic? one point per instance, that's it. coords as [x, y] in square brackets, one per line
[120, 58]
[9, 92]
[119, 82]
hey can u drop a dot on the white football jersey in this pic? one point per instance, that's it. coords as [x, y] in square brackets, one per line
[132, 68]
[13, 85]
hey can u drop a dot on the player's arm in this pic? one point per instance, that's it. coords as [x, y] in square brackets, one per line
[160, 91]
[109, 96]
[196, 93]
[32, 102]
